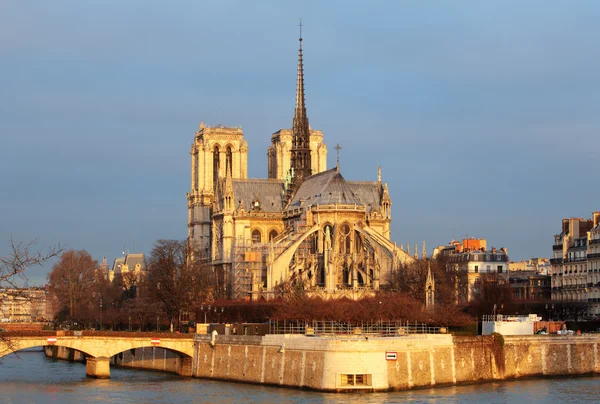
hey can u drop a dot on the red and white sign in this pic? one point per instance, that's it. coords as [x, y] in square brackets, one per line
[391, 355]
[51, 340]
[155, 341]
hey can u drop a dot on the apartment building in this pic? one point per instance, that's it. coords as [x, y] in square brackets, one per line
[575, 264]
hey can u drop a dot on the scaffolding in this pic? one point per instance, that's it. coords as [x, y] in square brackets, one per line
[250, 262]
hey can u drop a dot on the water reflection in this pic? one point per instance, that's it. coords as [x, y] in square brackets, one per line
[32, 378]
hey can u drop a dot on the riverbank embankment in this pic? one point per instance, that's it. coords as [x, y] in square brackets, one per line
[367, 362]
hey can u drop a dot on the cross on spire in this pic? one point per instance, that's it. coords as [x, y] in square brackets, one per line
[300, 25]
[337, 150]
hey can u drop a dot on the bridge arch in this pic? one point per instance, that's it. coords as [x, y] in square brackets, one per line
[98, 349]
[15, 344]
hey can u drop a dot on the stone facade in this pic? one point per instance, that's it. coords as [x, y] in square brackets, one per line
[368, 364]
[472, 261]
[303, 227]
[24, 305]
[576, 263]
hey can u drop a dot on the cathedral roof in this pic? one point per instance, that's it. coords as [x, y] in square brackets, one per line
[325, 188]
[368, 193]
[266, 191]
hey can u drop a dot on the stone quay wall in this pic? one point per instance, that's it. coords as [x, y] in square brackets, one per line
[368, 363]
[399, 363]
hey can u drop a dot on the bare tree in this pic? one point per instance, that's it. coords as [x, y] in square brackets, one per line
[21, 256]
[177, 283]
[72, 280]
[491, 295]
[410, 279]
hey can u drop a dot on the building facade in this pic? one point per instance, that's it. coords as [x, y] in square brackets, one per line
[303, 228]
[471, 261]
[130, 263]
[529, 285]
[576, 262]
[537, 265]
[24, 305]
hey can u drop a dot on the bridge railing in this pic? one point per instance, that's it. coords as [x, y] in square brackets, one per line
[86, 333]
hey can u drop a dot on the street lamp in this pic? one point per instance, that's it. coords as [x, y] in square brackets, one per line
[219, 313]
[157, 318]
[205, 310]
[129, 323]
[549, 310]
[101, 311]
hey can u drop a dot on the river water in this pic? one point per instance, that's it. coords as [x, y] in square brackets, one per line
[32, 378]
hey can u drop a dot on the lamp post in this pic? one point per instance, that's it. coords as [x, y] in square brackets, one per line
[219, 312]
[101, 311]
[549, 309]
[129, 323]
[205, 310]
[157, 319]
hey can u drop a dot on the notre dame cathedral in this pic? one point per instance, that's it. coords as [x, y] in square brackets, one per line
[303, 228]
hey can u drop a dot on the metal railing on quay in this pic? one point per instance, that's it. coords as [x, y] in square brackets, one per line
[337, 328]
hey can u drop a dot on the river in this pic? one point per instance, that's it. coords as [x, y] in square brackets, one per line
[32, 378]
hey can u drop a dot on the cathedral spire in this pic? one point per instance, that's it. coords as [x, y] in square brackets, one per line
[300, 152]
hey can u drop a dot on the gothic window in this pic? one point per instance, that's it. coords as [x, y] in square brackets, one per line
[216, 165]
[256, 236]
[272, 234]
[345, 239]
[229, 162]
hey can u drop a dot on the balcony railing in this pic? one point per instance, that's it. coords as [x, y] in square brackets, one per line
[557, 247]
[595, 241]
[576, 259]
[594, 255]
[555, 261]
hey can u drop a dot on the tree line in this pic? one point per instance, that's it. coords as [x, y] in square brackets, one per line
[164, 294]
[173, 289]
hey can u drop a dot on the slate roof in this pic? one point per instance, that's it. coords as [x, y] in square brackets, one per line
[133, 259]
[367, 192]
[326, 188]
[267, 191]
[117, 264]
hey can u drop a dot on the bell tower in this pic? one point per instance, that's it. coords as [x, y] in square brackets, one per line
[217, 152]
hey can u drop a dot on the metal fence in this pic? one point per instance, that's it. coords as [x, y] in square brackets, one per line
[335, 328]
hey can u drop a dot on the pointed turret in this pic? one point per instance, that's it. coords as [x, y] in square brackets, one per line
[429, 288]
[300, 152]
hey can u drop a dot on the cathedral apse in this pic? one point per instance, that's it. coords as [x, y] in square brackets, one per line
[303, 229]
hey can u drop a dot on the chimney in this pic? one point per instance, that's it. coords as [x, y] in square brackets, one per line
[596, 218]
[574, 228]
[565, 225]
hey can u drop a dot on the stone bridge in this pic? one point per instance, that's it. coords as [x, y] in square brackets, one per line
[99, 347]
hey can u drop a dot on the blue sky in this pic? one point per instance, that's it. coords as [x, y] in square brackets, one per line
[484, 116]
